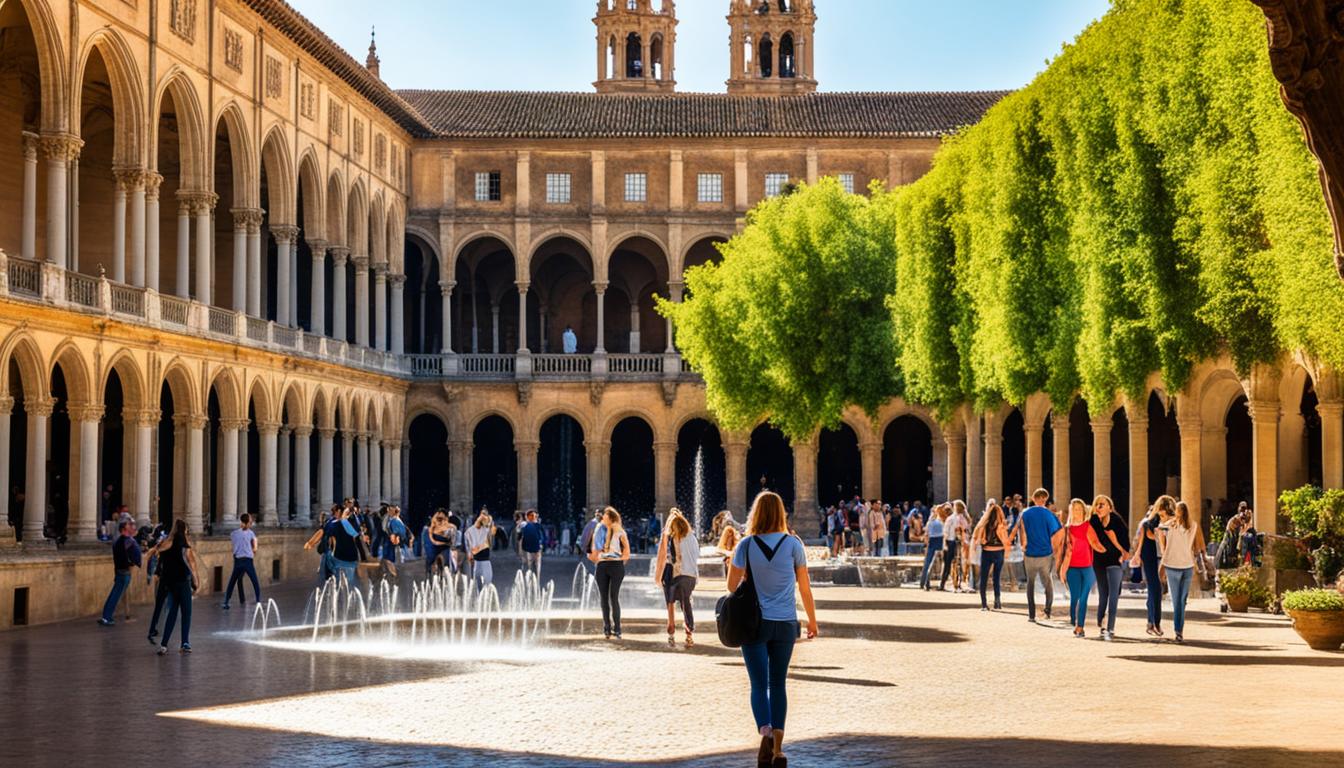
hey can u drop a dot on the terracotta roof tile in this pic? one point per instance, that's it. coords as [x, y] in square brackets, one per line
[552, 115]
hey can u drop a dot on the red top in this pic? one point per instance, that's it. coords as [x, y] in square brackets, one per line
[1081, 554]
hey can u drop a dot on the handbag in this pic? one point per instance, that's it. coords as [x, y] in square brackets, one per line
[738, 614]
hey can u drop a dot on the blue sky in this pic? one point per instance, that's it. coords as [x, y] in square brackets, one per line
[877, 45]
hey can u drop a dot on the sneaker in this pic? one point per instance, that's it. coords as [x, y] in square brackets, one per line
[1106, 635]
[106, 623]
[186, 647]
[225, 606]
[1031, 619]
[163, 650]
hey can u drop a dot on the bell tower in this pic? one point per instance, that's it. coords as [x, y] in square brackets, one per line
[771, 47]
[636, 41]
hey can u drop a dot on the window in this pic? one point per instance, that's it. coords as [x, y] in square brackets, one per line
[847, 182]
[636, 187]
[487, 187]
[709, 187]
[557, 187]
[775, 184]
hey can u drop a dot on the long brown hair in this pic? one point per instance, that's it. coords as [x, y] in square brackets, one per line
[1183, 518]
[767, 515]
[179, 534]
[678, 527]
[992, 518]
[1165, 504]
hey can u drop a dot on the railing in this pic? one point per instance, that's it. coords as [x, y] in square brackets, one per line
[634, 364]
[174, 310]
[426, 366]
[127, 300]
[81, 289]
[487, 365]
[25, 277]
[562, 365]
[223, 321]
[258, 330]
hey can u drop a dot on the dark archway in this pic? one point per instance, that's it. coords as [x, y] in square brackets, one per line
[562, 471]
[839, 465]
[1311, 427]
[494, 481]
[423, 299]
[167, 453]
[1164, 449]
[1048, 458]
[702, 437]
[429, 482]
[907, 461]
[634, 56]
[1014, 455]
[1081, 478]
[111, 487]
[632, 469]
[1120, 460]
[770, 464]
[58, 461]
[1240, 447]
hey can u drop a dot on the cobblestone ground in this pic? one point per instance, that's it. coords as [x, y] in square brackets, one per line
[899, 677]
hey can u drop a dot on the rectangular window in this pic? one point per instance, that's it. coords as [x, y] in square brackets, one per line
[487, 187]
[636, 187]
[775, 183]
[709, 187]
[557, 187]
[847, 182]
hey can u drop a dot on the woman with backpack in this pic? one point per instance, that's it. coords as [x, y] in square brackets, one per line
[776, 564]
[611, 551]
[678, 553]
[178, 575]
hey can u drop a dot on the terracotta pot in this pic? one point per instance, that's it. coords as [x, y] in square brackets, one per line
[1238, 603]
[1322, 630]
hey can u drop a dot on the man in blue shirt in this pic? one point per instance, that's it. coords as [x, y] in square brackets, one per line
[531, 539]
[1042, 535]
[125, 556]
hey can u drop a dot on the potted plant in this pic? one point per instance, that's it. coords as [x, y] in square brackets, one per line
[1318, 617]
[1242, 588]
[1317, 519]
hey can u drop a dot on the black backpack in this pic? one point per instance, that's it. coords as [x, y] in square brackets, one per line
[739, 614]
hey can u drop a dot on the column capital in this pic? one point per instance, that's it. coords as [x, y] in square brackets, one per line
[1138, 424]
[38, 406]
[284, 233]
[60, 147]
[146, 417]
[461, 445]
[523, 285]
[319, 249]
[665, 445]
[361, 262]
[268, 428]
[234, 425]
[447, 286]
[303, 431]
[870, 445]
[379, 270]
[152, 179]
[32, 144]
[196, 201]
[285, 430]
[957, 439]
[596, 445]
[128, 178]
[190, 421]
[1334, 408]
[86, 412]
[1033, 428]
[1264, 411]
[326, 433]
[339, 255]
[1059, 421]
[247, 217]
[6, 405]
[600, 286]
[396, 280]
[1191, 424]
[526, 446]
[1102, 425]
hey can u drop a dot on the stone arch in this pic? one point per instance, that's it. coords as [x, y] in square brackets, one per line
[343, 410]
[559, 409]
[935, 429]
[377, 217]
[474, 237]
[229, 392]
[390, 422]
[372, 418]
[692, 415]
[181, 384]
[128, 103]
[633, 234]
[24, 351]
[475, 421]
[694, 243]
[1218, 391]
[293, 402]
[51, 61]
[192, 151]
[260, 400]
[396, 237]
[79, 384]
[434, 409]
[276, 159]
[335, 199]
[323, 409]
[610, 423]
[131, 374]
[314, 196]
[246, 179]
[357, 222]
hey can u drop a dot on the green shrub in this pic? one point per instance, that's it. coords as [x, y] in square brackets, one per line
[1243, 582]
[1289, 556]
[1313, 600]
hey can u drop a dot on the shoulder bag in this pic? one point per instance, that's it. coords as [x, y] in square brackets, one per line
[738, 614]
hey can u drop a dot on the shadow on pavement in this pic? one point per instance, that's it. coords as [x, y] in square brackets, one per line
[1243, 660]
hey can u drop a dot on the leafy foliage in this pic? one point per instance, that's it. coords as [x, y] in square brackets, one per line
[1313, 600]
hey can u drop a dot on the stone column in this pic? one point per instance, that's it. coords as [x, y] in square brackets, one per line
[522, 316]
[1138, 468]
[385, 468]
[137, 213]
[152, 252]
[375, 454]
[459, 473]
[245, 503]
[348, 469]
[1192, 439]
[6, 414]
[294, 279]
[194, 512]
[361, 300]
[599, 480]
[735, 471]
[340, 329]
[380, 307]
[123, 178]
[805, 487]
[398, 314]
[38, 414]
[1332, 443]
[317, 301]
[956, 465]
[145, 422]
[282, 478]
[446, 287]
[325, 470]
[993, 440]
[85, 420]
[362, 468]
[1101, 456]
[527, 473]
[284, 236]
[1059, 429]
[494, 328]
[664, 476]
[267, 432]
[1265, 464]
[675, 289]
[60, 151]
[601, 348]
[254, 263]
[303, 500]
[205, 235]
[183, 287]
[28, 249]
[245, 221]
[975, 466]
[401, 459]
[230, 430]
[1033, 434]
[870, 464]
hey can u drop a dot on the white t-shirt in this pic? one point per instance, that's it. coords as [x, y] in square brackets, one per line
[954, 526]
[242, 541]
[475, 537]
[1180, 547]
[570, 341]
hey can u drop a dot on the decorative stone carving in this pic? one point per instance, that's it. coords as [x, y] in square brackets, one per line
[379, 152]
[335, 118]
[274, 78]
[669, 393]
[357, 137]
[233, 49]
[595, 390]
[61, 147]
[1305, 39]
[524, 392]
[182, 19]
[308, 100]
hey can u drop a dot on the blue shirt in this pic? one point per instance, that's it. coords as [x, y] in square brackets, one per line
[532, 537]
[125, 554]
[775, 579]
[934, 528]
[1040, 525]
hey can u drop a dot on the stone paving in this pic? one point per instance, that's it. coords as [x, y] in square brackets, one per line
[899, 677]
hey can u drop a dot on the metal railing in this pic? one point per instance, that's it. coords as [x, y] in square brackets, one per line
[128, 300]
[81, 289]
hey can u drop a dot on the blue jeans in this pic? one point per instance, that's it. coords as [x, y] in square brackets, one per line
[880, 547]
[1081, 581]
[1178, 581]
[179, 598]
[1109, 580]
[242, 566]
[1153, 580]
[991, 562]
[119, 585]
[348, 570]
[935, 546]
[767, 662]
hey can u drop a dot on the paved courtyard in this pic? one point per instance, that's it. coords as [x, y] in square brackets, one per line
[899, 677]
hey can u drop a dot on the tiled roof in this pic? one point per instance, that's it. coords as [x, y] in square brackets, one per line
[307, 36]
[550, 115]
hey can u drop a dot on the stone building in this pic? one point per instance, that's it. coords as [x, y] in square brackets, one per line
[241, 273]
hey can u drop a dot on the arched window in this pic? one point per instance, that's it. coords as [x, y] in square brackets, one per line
[747, 60]
[766, 56]
[634, 56]
[610, 71]
[785, 6]
[787, 65]
[656, 56]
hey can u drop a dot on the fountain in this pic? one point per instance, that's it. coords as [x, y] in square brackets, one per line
[698, 498]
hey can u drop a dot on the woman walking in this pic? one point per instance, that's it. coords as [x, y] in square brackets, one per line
[1147, 557]
[1179, 541]
[178, 575]
[678, 553]
[955, 528]
[1075, 569]
[1113, 534]
[991, 536]
[728, 542]
[777, 564]
[611, 551]
[933, 542]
